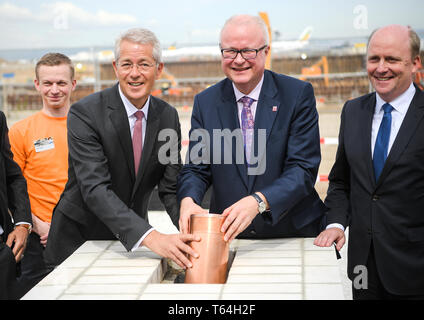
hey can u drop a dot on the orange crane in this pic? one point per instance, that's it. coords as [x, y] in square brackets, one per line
[419, 79]
[321, 67]
[265, 18]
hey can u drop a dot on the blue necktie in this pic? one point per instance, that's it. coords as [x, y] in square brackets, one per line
[382, 142]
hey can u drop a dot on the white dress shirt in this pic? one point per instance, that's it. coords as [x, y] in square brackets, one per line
[400, 107]
[131, 110]
[254, 94]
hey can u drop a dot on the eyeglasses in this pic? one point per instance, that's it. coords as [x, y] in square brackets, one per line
[247, 54]
[141, 67]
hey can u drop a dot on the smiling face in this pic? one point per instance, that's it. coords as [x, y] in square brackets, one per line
[55, 84]
[136, 84]
[390, 66]
[245, 74]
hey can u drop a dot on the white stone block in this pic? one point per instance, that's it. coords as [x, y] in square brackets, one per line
[121, 279]
[259, 288]
[238, 261]
[99, 289]
[262, 296]
[183, 288]
[265, 270]
[61, 276]
[93, 247]
[324, 274]
[44, 293]
[265, 278]
[324, 292]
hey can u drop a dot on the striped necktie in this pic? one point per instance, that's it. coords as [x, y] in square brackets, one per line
[137, 139]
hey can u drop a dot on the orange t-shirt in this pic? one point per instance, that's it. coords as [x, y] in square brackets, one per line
[39, 145]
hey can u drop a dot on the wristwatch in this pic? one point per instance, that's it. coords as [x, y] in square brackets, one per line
[261, 203]
[26, 226]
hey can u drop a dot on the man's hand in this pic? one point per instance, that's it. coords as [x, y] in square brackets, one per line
[239, 217]
[329, 236]
[17, 240]
[172, 246]
[41, 228]
[187, 208]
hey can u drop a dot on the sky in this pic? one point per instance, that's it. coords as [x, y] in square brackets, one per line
[28, 24]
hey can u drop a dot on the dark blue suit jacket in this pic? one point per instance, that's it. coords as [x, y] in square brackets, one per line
[287, 114]
[389, 212]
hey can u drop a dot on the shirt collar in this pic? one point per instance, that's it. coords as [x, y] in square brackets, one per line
[254, 94]
[130, 108]
[400, 104]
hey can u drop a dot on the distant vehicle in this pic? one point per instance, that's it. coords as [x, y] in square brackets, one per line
[278, 46]
[213, 52]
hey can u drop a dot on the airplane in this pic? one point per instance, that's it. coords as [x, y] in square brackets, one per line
[287, 45]
[213, 52]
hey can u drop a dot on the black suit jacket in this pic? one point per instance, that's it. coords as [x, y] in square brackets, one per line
[102, 193]
[389, 212]
[13, 187]
[13, 197]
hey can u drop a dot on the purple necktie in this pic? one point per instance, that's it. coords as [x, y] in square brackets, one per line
[247, 125]
[137, 139]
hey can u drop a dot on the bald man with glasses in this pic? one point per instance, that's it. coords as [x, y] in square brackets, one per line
[269, 125]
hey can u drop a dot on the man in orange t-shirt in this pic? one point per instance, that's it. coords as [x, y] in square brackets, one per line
[39, 146]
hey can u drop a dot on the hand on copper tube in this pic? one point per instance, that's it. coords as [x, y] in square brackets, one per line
[172, 246]
[187, 208]
[239, 217]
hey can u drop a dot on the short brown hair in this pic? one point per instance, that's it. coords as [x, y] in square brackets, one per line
[54, 59]
[415, 43]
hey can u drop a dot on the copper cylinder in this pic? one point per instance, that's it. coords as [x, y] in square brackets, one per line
[211, 266]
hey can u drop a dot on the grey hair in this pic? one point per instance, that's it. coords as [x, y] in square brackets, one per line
[247, 19]
[140, 36]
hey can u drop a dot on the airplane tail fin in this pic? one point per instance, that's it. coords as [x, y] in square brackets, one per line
[306, 34]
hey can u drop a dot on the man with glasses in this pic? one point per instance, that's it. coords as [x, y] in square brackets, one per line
[268, 190]
[114, 161]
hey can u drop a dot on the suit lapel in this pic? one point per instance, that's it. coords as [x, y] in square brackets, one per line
[228, 114]
[409, 125]
[266, 113]
[150, 139]
[119, 119]
[368, 111]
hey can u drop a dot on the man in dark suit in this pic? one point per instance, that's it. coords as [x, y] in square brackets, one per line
[264, 182]
[114, 144]
[13, 233]
[377, 181]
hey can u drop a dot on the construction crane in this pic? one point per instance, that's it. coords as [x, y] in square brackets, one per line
[319, 68]
[265, 18]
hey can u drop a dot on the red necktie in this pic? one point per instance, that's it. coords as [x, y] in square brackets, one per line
[137, 139]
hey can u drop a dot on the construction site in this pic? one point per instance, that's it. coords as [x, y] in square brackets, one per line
[337, 74]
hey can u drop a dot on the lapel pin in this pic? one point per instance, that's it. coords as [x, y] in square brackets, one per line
[274, 108]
